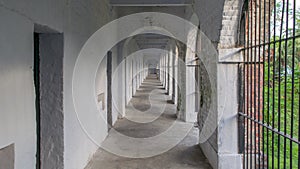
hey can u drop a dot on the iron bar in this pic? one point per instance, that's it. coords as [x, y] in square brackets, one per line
[270, 86]
[271, 128]
[271, 42]
[285, 86]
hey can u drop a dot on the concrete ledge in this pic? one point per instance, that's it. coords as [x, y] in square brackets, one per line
[230, 161]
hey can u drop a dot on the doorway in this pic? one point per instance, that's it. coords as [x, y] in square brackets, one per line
[48, 82]
[109, 89]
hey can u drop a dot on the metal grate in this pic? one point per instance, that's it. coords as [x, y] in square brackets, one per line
[271, 84]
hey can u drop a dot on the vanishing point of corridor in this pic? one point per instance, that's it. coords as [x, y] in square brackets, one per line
[185, 155]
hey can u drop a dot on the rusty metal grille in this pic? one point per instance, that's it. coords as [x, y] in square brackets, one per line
[269, 113]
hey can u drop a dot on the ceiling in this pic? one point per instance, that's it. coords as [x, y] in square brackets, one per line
[150, 2]
[150, 40]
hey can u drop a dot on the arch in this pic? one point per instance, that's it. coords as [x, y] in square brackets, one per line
[92, 52]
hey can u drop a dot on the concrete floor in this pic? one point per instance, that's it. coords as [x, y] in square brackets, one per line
[150, 137]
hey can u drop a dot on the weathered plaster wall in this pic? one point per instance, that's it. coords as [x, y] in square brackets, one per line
[51, 100]
[77, 19]
[82, 19]
[17, 106]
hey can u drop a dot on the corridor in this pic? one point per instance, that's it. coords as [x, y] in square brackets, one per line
[143, 120]
[149, 84]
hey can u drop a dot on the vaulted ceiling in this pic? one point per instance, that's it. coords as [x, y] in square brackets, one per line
[150, 2]
[150, 40]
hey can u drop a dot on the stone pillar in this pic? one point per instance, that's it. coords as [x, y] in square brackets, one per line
[168, 73]
[181, 101]
[229, 57]
[165, 69]
[175, 75]
[171, 65]
[190, 114]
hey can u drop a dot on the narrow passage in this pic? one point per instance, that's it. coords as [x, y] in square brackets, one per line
[145, 121]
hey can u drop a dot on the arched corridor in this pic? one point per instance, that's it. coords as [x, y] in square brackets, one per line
[158, 84]
[186, 154]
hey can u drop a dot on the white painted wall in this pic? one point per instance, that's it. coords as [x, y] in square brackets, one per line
[80, 23]
[77, 20]
[17, 109]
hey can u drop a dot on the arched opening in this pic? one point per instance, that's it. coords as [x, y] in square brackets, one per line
[165, 88]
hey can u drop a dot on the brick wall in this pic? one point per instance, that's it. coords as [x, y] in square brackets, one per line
[257, 32]
[230, 24]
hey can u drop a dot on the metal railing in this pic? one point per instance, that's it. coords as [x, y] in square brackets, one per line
[269, 114]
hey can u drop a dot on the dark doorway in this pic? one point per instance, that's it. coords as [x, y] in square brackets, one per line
[109, 89]
[36, 73]
[48, 82]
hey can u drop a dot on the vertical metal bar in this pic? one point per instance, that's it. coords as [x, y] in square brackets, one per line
[263, 89]
[298, 126]
[251, 83]
[259, 87]
[285, 83]
[294, 32]
[273, 87]
[244, 108]
[279, 82]
[293, 86]
[255, 84]
[245, 127]
[269, 82]
[241, 119]
[244, 90]
[247, 82]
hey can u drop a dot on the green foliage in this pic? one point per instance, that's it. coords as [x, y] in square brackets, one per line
[283, 65]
